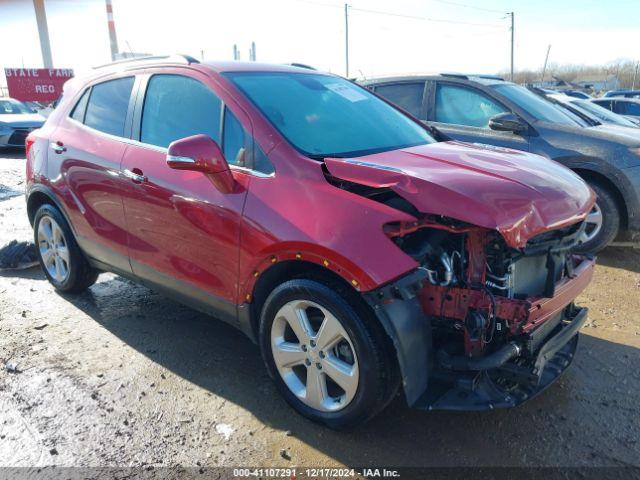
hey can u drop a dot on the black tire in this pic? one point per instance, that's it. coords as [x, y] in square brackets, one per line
[610, 220]
[379, 377]
[80, 274]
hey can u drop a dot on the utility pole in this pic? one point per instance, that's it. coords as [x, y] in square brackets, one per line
[546, 59]
[43, 32]
[346, 39]
[635, 74]
[236, 52]
[512, 37]
[113, 40]
[252, 52]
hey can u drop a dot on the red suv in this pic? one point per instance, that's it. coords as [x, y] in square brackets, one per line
[328, 225]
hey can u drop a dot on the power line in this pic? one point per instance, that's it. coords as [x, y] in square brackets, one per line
[426, 19]
[402, 15]
[468, 6]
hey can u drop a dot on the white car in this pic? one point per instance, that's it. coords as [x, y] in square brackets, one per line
[16, 121]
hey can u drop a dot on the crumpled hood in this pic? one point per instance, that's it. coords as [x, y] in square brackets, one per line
[517, 193]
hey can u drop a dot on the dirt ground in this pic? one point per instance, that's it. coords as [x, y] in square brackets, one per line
[122, 376]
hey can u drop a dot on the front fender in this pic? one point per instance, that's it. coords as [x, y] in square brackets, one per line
[399, 311]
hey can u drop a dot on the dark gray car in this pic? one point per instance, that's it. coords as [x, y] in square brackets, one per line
[488, 110]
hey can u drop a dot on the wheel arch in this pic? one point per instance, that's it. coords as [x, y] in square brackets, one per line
[280, 271]
[591, 175]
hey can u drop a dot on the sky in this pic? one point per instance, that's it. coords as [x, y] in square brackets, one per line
[385, 36]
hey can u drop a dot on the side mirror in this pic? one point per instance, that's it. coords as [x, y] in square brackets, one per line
[199, 153]
[507, 122]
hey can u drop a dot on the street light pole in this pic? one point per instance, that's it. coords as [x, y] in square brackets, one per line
[346, 39]
[512, 37]
[43, 32]
[635, 74]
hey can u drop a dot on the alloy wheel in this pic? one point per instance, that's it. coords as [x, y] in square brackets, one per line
[593, 224]
[314, 355]
[53, 249]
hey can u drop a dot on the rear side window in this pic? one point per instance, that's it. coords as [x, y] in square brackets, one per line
[81, 107]
[108, 104]
[176, 107]
[463, 106]
[407, 96]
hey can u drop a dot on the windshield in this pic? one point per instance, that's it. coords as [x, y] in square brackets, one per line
[534, 105]
[13, 106]
[327, 116]
[602, 113]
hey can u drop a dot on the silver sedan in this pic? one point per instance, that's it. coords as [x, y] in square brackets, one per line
[16, 121]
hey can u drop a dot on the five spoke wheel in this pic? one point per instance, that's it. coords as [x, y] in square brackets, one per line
[593, 224]
[53, 249]
[314, 355]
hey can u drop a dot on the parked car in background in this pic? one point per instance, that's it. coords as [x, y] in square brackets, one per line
[359, 253]
[482, 110]
[595, 115]
[16, 121]
[623, 93]
[627, 107]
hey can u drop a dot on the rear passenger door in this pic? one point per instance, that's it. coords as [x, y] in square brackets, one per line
[462, 113]
[407, 95]
[84, 164]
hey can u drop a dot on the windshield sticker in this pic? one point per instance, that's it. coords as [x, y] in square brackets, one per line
[351, 94]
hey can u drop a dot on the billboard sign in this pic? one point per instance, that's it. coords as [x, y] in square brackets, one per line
[36, 84]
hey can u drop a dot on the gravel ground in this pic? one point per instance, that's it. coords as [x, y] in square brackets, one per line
[122, 376]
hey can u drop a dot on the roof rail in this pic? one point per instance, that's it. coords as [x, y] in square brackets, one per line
[455, 75]
[485, 76]
[181, 59]
[301, 65]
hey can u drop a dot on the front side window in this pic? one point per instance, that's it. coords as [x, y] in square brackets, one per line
[464, 106]
[108, 104]
[534, 105]
[176, 107]
[407, 96]
[629, 108]
[322, 115]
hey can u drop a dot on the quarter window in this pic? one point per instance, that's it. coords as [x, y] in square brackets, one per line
[176, 107]
[81, 107]
[108, 105]
[463, 106]
[234, 141]
[407, 96]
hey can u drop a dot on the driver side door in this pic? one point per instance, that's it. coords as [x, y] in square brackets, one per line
[462, 113]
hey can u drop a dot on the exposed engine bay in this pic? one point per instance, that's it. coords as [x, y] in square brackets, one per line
[498, 319]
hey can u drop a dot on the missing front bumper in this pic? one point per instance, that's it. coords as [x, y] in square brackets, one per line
[511, 384]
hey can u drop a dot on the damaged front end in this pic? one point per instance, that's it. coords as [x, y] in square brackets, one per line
[497, 323]
[487, 319]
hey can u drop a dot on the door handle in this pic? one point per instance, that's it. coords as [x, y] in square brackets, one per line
[58, 147]
[134, 175]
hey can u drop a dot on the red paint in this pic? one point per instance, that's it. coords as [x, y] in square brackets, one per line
[36, 84]
[180, 224]
[517, 193]
[207, 158]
